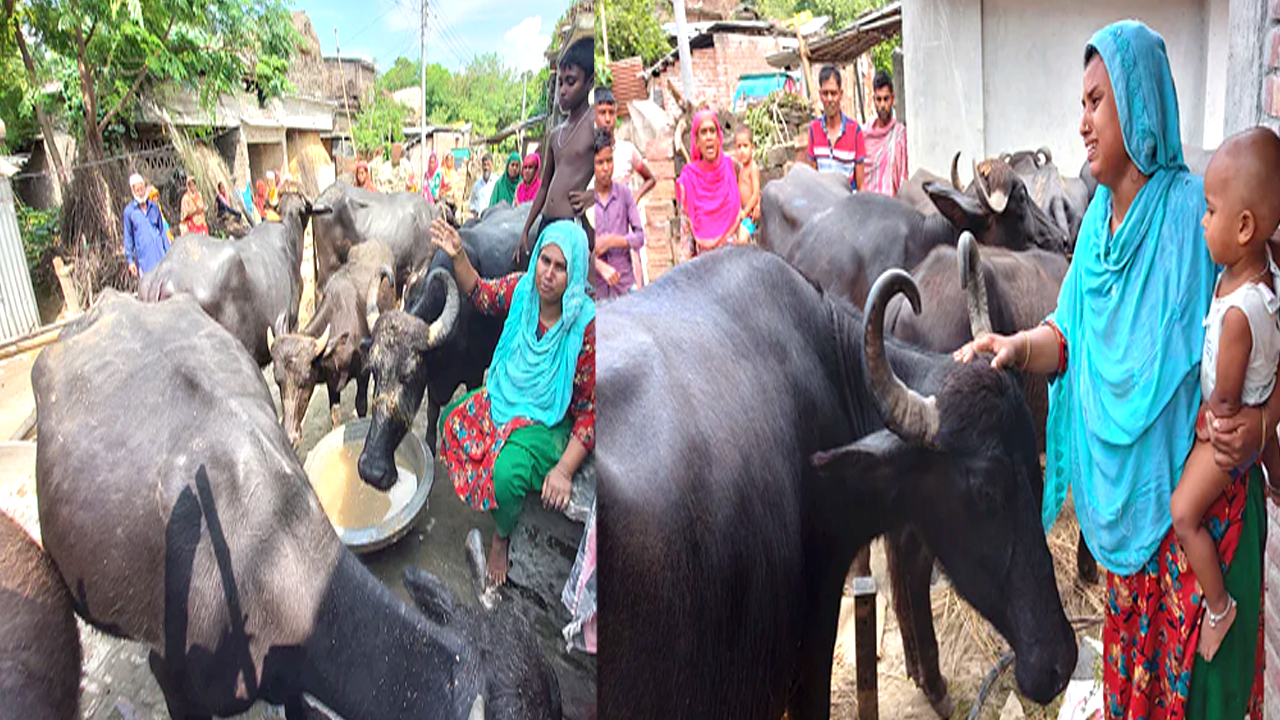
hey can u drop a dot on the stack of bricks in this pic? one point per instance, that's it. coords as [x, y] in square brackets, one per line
[659, 207]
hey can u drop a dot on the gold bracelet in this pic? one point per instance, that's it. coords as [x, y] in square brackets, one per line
[1026, 353]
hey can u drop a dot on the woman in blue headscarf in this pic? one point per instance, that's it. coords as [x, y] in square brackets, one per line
[534, 423]
[1123, 350]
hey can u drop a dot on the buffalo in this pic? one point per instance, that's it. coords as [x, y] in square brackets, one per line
[179, 516]
[246, 285]
[851, 241]
[401, 220]
[1016, 292]
[39, 641]
[330, 349]
[436, 343]
[727, 550]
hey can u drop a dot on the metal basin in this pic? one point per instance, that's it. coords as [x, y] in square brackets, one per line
[374, 523]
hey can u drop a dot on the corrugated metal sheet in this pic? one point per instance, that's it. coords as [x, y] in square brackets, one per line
[18, 312]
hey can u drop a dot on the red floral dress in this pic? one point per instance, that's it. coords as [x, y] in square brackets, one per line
[471, 440]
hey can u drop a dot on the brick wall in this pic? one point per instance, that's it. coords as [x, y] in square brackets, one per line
[716, 69]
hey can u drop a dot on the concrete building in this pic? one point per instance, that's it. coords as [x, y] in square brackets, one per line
[989, 76]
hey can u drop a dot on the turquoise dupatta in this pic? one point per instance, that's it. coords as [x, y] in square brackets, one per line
[1121, 418]
[532, 377]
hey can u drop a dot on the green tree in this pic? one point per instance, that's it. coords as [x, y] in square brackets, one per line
[379, 124]
[402, 74]
[634, 30]
[102, 53]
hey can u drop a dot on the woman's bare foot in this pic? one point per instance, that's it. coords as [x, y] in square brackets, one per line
[498, 560]
[1211, 635]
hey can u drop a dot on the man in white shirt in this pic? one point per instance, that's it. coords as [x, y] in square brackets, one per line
[483, 188]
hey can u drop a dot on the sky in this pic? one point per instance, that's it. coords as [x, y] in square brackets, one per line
[457, 30]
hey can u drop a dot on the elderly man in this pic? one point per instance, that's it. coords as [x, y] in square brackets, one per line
[483, 188]
[836, 143]
[886, 141]
[145, 243]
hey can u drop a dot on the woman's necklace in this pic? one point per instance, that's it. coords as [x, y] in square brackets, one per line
[560, 138]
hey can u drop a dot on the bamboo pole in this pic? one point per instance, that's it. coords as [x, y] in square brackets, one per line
[35, 339]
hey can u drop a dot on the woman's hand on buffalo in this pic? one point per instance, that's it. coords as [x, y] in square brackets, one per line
[1004, 348]
[445, 237]
[1236, 440]
[556, 488]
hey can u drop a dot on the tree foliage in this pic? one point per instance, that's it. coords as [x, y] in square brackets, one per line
[380, 123]
[634, 30]
[485, 93]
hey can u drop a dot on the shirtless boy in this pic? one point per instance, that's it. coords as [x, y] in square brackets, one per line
[748, 183]
[569, 162]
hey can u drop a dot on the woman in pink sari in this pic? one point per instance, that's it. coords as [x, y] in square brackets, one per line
[530, 178]
[708, 190]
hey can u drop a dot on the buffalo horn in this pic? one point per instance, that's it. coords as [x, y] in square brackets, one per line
[442, 327]
[971, 280]
[477, 709]
[912, 417]
[955, 173]
[271, 337]
[1045, 156]
[996, 200]
[323, 341]
[371, 309]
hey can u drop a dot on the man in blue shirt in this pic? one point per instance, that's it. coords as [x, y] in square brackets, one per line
[144, 240]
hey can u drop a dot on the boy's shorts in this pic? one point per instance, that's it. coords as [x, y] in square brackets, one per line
[749, 226]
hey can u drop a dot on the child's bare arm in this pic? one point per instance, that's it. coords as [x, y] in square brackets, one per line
[753, 205]
[1234, 346]
[548, 172]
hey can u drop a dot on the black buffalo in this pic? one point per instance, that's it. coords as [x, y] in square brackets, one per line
[726, 551]
[180, 517]
[1018, 290]
[39, 641]
[246, 285]
[400, 220]
[435, 344]
[850, 242]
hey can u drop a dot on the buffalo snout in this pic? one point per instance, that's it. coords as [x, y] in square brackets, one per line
[1044, 669]
[377, 464]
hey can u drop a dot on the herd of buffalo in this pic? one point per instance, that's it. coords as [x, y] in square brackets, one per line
[801, 408]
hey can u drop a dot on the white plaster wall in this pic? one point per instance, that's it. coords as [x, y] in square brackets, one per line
[991, 76]
[942, 55]
[1217, 42]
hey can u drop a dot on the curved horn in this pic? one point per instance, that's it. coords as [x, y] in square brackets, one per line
[910, 416]
[371, 309]
[442, 327]
[323, 341]
[1048, 156]
[997, 200]
[955, 172]
[271, 337]
[971, 279]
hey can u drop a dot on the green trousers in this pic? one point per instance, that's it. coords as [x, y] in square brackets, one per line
[1220, 689]
[522, 464]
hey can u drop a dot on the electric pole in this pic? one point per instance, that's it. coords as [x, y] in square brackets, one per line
[604, 31]
[682, 43]
[422, 104]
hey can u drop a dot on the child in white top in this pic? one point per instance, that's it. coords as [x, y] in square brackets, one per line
[1241, 347]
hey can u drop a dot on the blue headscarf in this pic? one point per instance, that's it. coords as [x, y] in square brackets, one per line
[1122, 418]
[532, 377]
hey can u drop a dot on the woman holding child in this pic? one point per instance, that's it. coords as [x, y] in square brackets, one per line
[1125, 349]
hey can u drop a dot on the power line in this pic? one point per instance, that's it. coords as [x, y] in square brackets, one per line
[366, 28]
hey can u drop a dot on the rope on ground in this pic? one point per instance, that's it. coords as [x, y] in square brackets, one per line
[989, 682]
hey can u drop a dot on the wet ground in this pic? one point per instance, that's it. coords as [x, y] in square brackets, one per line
[117, 682]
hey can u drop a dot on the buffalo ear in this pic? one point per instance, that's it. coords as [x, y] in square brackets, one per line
[879, 457]
[962, 211]
[429, 594]
[334, 343]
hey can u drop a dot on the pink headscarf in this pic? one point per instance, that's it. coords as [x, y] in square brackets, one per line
[432, 164]
[529, 191]
[709, 191]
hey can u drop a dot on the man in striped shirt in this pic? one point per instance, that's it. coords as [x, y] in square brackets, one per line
[836, 143]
